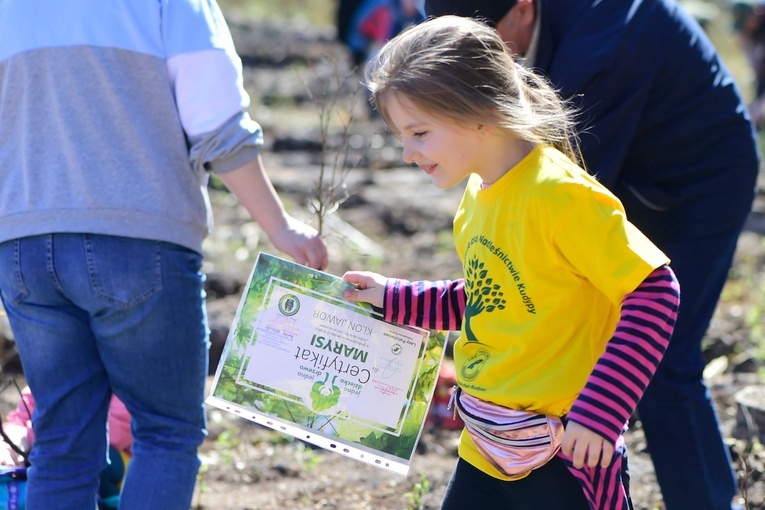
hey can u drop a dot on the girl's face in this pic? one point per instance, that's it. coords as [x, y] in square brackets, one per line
[446, 151]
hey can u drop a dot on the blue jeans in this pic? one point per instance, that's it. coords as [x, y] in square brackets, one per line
[693, 465]
[94, 315]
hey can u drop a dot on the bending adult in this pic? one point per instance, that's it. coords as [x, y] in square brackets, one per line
[663, 125]
[113, 116]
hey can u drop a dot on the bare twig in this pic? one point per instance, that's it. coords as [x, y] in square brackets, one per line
[745, 474]
[331, 189]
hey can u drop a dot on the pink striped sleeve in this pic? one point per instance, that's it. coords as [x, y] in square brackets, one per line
[604, 488]
[433, 305]
[623, 372]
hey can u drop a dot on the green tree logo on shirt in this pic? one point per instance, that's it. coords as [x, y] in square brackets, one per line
[483, 295]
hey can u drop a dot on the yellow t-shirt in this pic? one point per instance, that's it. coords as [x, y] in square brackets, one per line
[548, 256]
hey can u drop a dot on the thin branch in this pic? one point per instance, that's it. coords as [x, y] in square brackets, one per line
[331, 190]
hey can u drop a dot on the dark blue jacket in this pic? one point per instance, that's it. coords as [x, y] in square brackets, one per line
[662, 123]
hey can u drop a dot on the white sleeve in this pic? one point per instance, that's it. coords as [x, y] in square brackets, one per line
[204, 69]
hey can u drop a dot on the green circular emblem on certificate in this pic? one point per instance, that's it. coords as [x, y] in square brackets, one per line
[289, 304]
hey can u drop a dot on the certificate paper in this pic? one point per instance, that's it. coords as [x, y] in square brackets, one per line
[302, 360]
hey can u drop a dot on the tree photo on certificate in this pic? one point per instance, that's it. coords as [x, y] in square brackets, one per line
[302, 360]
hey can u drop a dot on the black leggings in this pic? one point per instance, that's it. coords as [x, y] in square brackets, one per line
[551, 487]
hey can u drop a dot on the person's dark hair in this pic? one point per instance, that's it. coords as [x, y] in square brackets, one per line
[490, 10]
[458, 69]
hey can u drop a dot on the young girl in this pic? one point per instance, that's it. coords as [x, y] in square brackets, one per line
[565, 309]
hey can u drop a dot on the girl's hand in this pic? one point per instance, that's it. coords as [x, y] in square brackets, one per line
[370, 287]
[301, 242]
[586, 447]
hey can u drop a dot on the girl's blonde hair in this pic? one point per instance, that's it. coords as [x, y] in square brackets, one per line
[458, 69]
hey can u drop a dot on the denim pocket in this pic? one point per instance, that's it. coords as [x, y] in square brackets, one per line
[124, 271]
[12, 285]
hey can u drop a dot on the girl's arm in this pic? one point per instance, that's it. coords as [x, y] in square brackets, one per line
[432, 305]
[623, 372]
